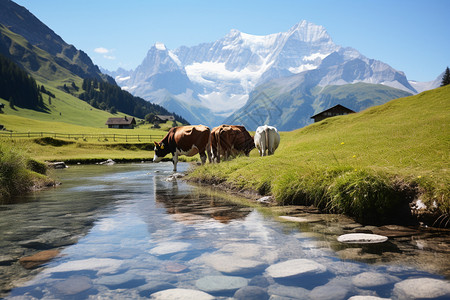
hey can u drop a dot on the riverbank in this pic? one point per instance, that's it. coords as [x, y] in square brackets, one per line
[373, 166]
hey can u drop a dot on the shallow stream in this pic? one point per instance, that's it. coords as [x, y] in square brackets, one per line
[131, 231]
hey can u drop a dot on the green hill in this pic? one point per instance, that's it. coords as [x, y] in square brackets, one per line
[368, 165]
[288, 103]
[62, 70]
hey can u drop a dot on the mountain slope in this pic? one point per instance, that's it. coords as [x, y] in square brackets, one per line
[44, 54]
[60, 70]
[219, 76]
[289, 103]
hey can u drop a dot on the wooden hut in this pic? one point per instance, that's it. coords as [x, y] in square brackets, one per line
[337, 110]
[122, 123]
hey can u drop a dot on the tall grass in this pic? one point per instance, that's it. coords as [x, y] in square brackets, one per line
[14, 177]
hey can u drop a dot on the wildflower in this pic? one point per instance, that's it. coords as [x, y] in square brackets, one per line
[342, 143]
[419, 176]
[354, 156]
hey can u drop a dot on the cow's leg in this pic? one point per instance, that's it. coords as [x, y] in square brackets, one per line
[208, 152]
[175, 161]
[203, 157]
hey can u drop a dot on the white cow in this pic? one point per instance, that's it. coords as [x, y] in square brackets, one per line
[267, 139]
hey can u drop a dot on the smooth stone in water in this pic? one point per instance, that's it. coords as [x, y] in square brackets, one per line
[181, 294]
[220, 283]
[6, 260]
[73, 285]
[251, 293]
[289, 292]
[367, 298]
[232, 265]
[153, 287]
[169, 247]
[295, 267]
[300, 219]
[362, 238]
[422, 288]
[372, 279]
[119, 280]
[35, 260]
[336, 289]
[102, 265]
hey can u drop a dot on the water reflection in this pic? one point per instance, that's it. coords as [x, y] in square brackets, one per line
[194, 205]
[128, 233]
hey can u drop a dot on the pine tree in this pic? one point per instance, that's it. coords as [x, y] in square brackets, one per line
[11, 102]
[446, 77]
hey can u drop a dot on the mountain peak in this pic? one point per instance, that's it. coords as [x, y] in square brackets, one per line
[160, 46]
[309, 32]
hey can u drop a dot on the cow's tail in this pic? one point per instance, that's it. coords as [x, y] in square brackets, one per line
[219, 144]
[266, 136]
[208, 147]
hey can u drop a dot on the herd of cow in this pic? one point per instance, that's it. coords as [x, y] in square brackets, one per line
[222, 141]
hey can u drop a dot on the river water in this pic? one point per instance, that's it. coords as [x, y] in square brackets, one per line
[131, 231]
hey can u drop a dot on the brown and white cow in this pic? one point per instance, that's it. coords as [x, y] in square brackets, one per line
[229, 140]
[184, 140]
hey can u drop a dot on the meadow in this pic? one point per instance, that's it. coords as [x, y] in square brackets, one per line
[368, 165]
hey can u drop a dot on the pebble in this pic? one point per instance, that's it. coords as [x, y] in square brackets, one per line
[367, 298]
[290, 292]
[422, 288]
[102, 265]
[33, 261]
[153, 287]
[233, 265]
[309, 219]
[6, 260]
[362, 238]
[125, 280]
[73, 285]
[266, 199]
[251, 293]
[219, 283]
[181, 294]
[372, 279]
[295, 267]
[169, 247]
[336, 289]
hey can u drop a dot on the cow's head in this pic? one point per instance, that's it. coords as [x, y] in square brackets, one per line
[161, 150]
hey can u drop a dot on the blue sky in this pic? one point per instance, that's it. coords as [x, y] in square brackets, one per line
[412, 36]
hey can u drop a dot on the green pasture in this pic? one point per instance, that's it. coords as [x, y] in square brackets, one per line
[366, 164]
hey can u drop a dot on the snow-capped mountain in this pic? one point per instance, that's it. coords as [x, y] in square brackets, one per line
[427, 85]
[218, 77]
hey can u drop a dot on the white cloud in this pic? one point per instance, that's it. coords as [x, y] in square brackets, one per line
[101, 50]
[106, 53]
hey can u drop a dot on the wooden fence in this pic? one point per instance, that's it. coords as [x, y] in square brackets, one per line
[127, 138]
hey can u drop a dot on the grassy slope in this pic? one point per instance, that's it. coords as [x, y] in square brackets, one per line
[64, 108]
[403, 142]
